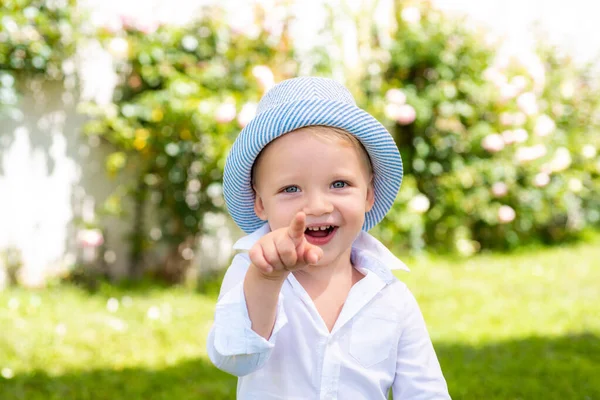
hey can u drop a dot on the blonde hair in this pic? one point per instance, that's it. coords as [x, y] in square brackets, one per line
[328, 133]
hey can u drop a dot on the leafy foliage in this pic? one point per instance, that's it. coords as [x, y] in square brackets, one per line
[502, 147]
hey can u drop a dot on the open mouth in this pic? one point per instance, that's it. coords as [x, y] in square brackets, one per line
[320, 235]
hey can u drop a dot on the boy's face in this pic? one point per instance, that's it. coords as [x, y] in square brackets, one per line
[324, 177]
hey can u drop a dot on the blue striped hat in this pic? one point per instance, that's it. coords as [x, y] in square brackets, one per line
[297, 103]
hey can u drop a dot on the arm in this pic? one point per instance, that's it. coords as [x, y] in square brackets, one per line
[249, 315]
[418, 372]
[232, 345]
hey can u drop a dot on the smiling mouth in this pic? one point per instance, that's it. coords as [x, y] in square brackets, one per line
[320, 236]
[319, 232]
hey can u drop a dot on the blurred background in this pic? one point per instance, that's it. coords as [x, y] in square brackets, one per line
[116, 118]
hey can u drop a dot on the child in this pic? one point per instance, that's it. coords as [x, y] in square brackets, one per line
[312, 310]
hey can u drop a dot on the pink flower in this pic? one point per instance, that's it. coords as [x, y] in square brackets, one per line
[225, 113]
[561, 160]
[520, 135]
[499, 189]
[506, 119]
[246, 114]
[525, 154]
[515, 136]
[519, 118]
[395, 96]
[90, 237]
[544, 125]
[506, 214]
[493, 143]
[527, 103]
[264, 75]
[541, 179]
[406, 114]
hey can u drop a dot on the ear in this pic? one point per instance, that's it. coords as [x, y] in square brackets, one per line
[259, 207]
[370, 201]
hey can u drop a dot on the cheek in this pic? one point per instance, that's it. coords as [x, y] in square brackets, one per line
[280, 212]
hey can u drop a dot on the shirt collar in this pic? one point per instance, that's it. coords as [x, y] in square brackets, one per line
[367, 250]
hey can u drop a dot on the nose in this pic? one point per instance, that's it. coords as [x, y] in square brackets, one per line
[317, 204]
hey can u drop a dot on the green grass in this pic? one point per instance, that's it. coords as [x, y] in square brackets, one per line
[524, 326]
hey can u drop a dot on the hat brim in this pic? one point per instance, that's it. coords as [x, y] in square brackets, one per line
[279, 120]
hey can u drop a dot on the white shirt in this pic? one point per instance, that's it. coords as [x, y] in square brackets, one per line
[379, 341]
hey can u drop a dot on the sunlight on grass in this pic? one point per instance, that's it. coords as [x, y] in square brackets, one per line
[521, 326]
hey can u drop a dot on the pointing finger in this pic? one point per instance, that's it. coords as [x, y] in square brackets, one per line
[297, 227]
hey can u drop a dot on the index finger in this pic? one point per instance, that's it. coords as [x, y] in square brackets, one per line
[297, 226]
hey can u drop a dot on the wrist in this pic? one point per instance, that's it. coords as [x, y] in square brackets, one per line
[275, 277]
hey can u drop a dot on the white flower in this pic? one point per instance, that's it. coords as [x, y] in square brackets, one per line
[406, 114]
[506, 119]
[225, 113]
[520, 135]
[264, 75]
[527, 103]
[119, 48]
[561, 160]
[112, 305]
[419, 204]
[531, 153]
[519, 82]
[508, 136]
[153, 313]
[495, 76]
[117, 324]
[519, 118]
[544, 125]
[499, 189]
[189, 43]
[60, 329]
[588, 151]
[508, 91]
[493, 143]
[567, 89]
[395, 96]
[411, 15]
[541, 179]
[506, 214]
[575, 185]
[90, 237]
[392, 111]
[7, 373]
[246, 114]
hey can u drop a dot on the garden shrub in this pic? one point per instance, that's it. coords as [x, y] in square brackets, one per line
[503, 148]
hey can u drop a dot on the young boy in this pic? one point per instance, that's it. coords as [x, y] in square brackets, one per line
[312, 310]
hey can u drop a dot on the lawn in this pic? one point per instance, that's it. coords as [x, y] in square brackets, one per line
[521, 326]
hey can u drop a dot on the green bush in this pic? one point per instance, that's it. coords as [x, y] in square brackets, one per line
[185, 93]
[36, 37]
[501, 147]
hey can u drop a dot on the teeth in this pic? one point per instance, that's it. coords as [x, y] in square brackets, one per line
[319, 228]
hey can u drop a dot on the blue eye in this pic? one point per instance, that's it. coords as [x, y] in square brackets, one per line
[291, 189]
[339, 184]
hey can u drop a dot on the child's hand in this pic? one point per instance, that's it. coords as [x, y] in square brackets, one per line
[285, 249]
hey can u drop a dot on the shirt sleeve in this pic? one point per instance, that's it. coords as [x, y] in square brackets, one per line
[418, 372]
[232, 345]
